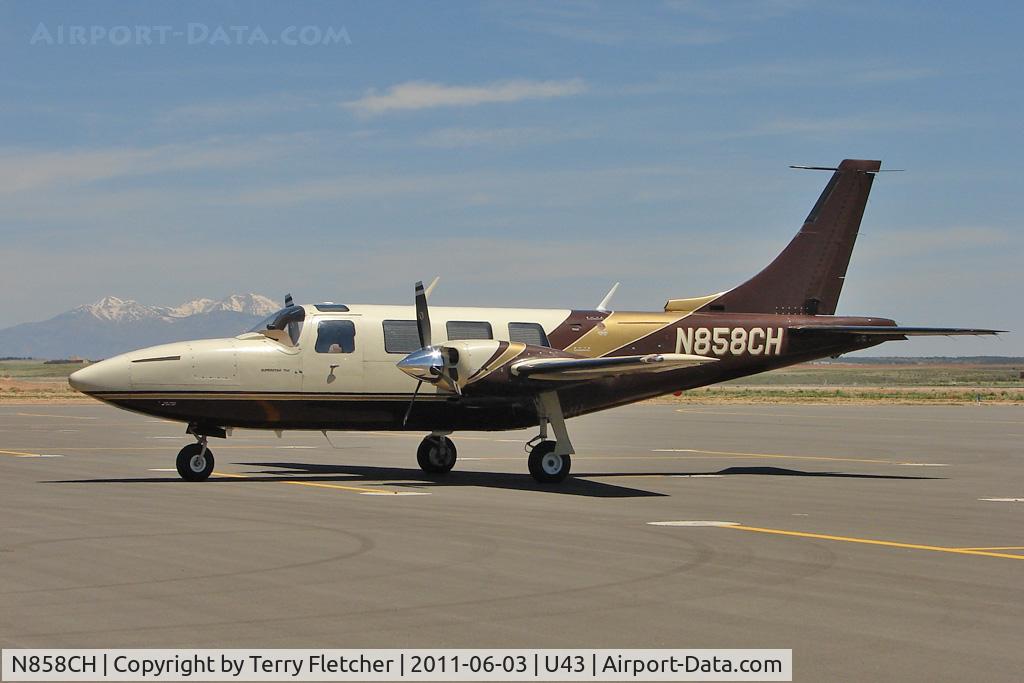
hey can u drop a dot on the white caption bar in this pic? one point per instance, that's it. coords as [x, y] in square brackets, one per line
[397, 665]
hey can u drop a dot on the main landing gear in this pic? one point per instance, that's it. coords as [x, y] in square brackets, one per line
[548, 466]
[195, 461]
[549, 462]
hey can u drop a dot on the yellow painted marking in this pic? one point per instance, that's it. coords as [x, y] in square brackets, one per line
[20, 454]
[63, 417]
[871, 541]
[997, 547]
[154, 448]
[357, 489]
[733, 454]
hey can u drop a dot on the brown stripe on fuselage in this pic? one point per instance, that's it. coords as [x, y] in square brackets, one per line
[575, 326]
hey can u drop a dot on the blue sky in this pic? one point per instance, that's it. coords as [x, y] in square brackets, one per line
[530, 153]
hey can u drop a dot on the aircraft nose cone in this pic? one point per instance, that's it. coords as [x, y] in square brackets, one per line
[424, 364]
[107, 375]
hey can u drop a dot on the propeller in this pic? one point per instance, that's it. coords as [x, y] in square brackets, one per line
[422, 315]
[434, 364]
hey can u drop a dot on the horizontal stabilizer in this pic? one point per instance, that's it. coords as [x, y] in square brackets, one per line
[891, 331]
[595, 368]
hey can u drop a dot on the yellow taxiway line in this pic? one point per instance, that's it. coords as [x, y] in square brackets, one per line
[61, 417]
[783, 456]
[872, 541]
[317, 484]
[21, 454]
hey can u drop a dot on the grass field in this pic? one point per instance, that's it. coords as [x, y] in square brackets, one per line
[897, 381]
[932, 374]
[36, 369]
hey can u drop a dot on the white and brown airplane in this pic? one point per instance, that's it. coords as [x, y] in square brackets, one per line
[361, 367]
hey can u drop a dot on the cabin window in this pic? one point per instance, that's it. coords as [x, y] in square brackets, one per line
[527, 333]
[401, 336]
[336, 336]
[461, 329]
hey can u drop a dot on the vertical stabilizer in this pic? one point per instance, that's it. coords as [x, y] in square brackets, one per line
[807, 277]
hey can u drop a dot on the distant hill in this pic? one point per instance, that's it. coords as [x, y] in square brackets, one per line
[111, 326]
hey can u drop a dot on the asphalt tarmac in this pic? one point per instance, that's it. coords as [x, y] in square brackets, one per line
[878, 542]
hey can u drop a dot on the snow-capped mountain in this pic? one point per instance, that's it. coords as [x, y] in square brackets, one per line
[124, 310]
[113, 325]
[254, 304]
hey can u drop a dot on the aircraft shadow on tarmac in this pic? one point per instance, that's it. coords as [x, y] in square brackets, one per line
[764, 471]
[411, 478]
[577, 485]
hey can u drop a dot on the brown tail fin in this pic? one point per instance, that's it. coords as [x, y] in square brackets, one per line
[807, 277]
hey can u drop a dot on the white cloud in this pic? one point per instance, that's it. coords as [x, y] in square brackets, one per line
[424, 94]
[452, 138]
[24, 170]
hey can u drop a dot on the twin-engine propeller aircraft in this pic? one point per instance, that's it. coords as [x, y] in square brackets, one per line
[364, 367]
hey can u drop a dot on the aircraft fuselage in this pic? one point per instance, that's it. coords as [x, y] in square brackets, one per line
[260, 382]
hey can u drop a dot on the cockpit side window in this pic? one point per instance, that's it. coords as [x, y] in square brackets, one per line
[287, 319]
[336, 336]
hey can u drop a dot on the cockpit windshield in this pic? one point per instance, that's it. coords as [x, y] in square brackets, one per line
[289, 318]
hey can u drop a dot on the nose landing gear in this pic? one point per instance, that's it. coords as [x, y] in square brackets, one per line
[436, 454]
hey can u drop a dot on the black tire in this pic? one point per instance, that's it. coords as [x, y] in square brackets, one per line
[546, 467]
[436, 455]
[193, 465]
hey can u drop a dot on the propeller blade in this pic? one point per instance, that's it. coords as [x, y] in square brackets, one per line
[422, 316]
[408, 410]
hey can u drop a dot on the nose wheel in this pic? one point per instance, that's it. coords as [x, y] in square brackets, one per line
[436, 454]
[195, 462]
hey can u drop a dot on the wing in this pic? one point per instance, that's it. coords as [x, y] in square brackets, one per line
[593, 368]
[892, 331]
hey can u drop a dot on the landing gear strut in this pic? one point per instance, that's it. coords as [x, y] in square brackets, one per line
[436, 454]
[195, 461]
[550, 461]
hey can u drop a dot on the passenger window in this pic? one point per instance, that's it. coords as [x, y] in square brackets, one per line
[401, 336]
[468, 330]
[527, 333]
[336, 336]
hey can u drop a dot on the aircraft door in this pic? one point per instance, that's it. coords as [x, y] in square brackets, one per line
[333, 362]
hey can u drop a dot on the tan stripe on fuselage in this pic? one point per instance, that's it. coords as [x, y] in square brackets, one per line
[513, 350]
[626, 327]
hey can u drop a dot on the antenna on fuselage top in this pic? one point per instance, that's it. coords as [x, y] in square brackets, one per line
[603, 306]
[288, 301]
